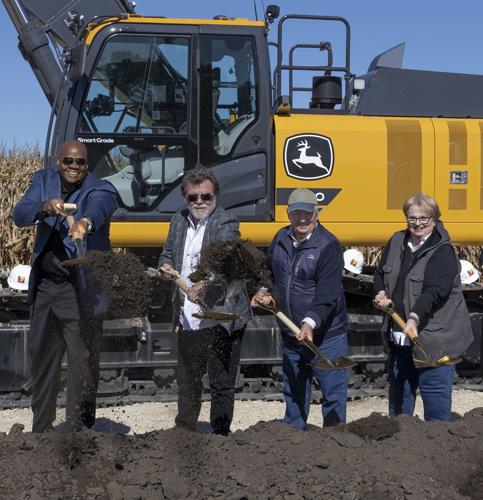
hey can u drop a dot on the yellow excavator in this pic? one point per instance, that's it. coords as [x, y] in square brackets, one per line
[153, 97]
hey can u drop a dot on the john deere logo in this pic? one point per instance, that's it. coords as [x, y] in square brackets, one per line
[308, 156]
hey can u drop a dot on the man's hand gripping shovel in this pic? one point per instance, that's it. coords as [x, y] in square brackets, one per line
[69, 210]
[427, 361]
[174, 276]
[322, 362]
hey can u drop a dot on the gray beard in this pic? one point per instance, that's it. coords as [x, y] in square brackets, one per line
[204, 215]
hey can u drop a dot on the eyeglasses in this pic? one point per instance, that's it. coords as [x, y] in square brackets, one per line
[421, 220]
[191, 198]
[68, 160]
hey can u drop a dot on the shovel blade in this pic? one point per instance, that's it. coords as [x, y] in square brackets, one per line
[342, 363]
[332, 364]
[74, 262]
[429, 363]
[322, 365]
[219, 316]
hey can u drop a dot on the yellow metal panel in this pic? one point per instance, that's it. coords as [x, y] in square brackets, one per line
[404, 161]
[153, 234]
[481, 165]
[458, 141]
[457, 199]
[160, 20]
[360, 170]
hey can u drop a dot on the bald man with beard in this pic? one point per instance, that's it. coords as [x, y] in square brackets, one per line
[64, 300]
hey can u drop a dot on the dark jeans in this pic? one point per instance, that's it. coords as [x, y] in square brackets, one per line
[217, 351]
[435, 386]
[297, 381]
[54, 327]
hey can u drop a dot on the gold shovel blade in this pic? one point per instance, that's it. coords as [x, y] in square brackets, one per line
[218, 316]
[322, 365]
[445, 360]
[74, 262]
[342, 363]
[333, 364]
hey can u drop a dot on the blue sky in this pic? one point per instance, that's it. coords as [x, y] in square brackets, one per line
[440, 35]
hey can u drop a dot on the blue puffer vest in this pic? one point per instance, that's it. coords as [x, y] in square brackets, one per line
[306, 284]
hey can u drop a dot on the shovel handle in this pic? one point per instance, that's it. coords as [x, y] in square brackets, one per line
[176, 278]
[70, 220]
[396, 318]
[70, 207]
[296, 330]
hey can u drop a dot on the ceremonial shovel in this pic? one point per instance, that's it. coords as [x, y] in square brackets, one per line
[428, 361]
[69, 210]
[175, 277]
[322, 362]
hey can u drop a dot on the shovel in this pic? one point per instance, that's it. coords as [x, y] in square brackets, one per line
[205, 313]
[69, 210]
[322, 362]
[427, 361]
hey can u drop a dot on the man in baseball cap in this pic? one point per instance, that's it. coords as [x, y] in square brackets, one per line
[306, 265]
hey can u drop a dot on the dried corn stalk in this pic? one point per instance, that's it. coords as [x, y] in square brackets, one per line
[16, 168]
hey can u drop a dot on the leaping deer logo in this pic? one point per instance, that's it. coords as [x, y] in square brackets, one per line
[318, 164]
[305, 159]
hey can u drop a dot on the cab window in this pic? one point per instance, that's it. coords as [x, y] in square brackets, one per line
[228, 97]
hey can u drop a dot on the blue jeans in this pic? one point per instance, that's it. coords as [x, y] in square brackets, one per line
[435, 386]
[297, 381]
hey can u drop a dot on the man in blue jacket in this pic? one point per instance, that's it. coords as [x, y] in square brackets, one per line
[63, 300]
[306, 264]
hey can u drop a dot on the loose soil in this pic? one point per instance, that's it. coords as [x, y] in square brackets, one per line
[232, 260]
[123, 280]
[373, 458]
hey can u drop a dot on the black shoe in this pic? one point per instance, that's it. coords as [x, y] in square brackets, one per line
[184, 425]
[221, 432]
[41, 430]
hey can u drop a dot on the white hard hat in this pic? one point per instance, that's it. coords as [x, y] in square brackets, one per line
[353, 260]
[469, 273]
[18, 278]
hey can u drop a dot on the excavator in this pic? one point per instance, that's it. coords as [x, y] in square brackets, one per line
[153, 97]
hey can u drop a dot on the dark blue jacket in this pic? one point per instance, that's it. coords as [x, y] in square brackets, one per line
[308, 280]
[95, 199]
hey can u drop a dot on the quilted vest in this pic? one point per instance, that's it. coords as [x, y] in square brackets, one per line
[448, 330]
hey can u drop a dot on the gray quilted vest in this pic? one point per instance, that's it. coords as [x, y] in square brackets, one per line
[448, 330]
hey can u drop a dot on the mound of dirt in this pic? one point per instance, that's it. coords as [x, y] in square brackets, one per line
[407, 459]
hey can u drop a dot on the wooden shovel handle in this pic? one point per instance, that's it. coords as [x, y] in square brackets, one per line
[70, 220]
[396, 318]
[296, 330]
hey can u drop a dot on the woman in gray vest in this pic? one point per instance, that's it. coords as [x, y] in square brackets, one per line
[420, 273]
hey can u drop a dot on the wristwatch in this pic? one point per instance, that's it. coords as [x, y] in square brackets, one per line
[89, 223]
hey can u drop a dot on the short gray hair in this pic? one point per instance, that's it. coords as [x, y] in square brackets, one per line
[428, 204]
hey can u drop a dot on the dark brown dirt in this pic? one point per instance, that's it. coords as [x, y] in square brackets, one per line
[233, 260]
[124, 282]
[408, 459]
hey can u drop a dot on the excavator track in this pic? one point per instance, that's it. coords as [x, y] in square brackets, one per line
[255, 389]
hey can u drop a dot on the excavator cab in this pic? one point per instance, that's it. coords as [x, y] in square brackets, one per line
[161, 99]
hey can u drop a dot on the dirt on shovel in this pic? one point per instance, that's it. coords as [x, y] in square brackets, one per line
[122, 279]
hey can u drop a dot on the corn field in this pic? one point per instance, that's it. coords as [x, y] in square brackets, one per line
[372, 255]
[16, 168]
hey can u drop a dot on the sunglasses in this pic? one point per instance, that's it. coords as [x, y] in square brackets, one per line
[191, 198]
[68, 160]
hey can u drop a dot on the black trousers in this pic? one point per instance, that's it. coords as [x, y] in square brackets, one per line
[218, 352]
[55, 326]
